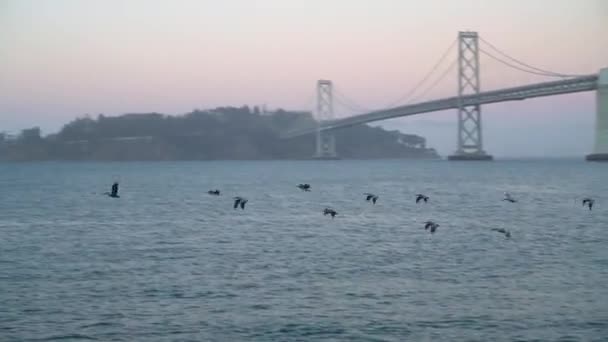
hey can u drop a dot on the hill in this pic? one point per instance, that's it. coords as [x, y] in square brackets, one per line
[221, 133]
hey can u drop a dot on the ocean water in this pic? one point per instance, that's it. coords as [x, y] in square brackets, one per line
[167, 262]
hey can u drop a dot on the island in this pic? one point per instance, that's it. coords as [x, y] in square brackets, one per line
[224, 133]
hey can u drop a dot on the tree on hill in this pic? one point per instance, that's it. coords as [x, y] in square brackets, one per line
[220, 133]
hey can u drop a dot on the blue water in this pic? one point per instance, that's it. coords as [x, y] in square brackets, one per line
[167, 262]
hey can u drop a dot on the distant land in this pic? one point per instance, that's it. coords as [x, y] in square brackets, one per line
[224, 133]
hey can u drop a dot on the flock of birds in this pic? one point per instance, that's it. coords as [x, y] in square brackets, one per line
[369, 197]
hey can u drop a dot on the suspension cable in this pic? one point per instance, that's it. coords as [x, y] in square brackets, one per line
[354, 106]
[517, 67]
[346, 102]
[437, 81]
[539, 70]
[426, 91]
[425, 78]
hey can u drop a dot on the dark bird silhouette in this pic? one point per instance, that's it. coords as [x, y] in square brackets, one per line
[431, 225]
[371, 197]
[239, 201]
[588, 202]
[421, 197]
[114, 193]
[304, 187]
[214, 192]
[508, 198]
[330, 211]
[503, 231]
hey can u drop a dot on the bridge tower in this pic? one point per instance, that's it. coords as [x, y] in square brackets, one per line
[470, 138]
[326, 142]
[600, 149]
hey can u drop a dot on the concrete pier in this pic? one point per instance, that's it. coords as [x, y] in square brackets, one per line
[470, 157]
[600, 149]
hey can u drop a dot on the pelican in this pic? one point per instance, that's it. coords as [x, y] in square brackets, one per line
[114, 193]
[214, 192]
[503, 231]
[432, 225]
[239, 201]
[304, 187]
[330, 211]
[371, 197]
[421, 197]
[509, 198]
[588, 202]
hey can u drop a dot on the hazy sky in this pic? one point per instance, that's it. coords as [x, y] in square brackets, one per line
[62, 59]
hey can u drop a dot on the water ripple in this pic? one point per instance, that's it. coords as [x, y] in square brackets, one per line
[166, 262]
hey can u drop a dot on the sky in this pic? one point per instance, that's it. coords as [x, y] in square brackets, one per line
[64, 59]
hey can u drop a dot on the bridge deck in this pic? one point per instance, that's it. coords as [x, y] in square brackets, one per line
[572, 85]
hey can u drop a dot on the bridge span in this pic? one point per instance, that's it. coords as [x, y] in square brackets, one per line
[574, 85]
[467, 102]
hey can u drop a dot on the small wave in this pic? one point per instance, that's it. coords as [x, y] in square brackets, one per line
[97, 324]
[68, 337]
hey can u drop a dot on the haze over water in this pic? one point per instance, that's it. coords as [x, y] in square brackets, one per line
[167, 262]
[63, 59]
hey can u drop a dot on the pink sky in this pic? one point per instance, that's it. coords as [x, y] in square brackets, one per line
[62, 59]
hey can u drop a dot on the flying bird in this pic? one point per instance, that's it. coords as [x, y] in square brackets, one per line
[503, 231]
[431, 225]
[588, 202]
[371, 197]
[239, 201]
[330, 211]
[214, 192]
[509, 198]
[421, 197]
[304, 187]
[114, 193]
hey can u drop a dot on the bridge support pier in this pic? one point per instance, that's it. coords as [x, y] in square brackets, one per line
[326, 146]
[326, 142]
[600, 149]
[470, 142]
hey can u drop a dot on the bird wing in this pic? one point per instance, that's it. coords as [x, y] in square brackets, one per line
[368, 197]
[243, 204]
[236, 202]
[418, 198]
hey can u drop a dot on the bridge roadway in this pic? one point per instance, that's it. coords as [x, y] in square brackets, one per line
[567, 86]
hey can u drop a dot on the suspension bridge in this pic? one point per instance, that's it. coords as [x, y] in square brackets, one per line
[467, 102]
